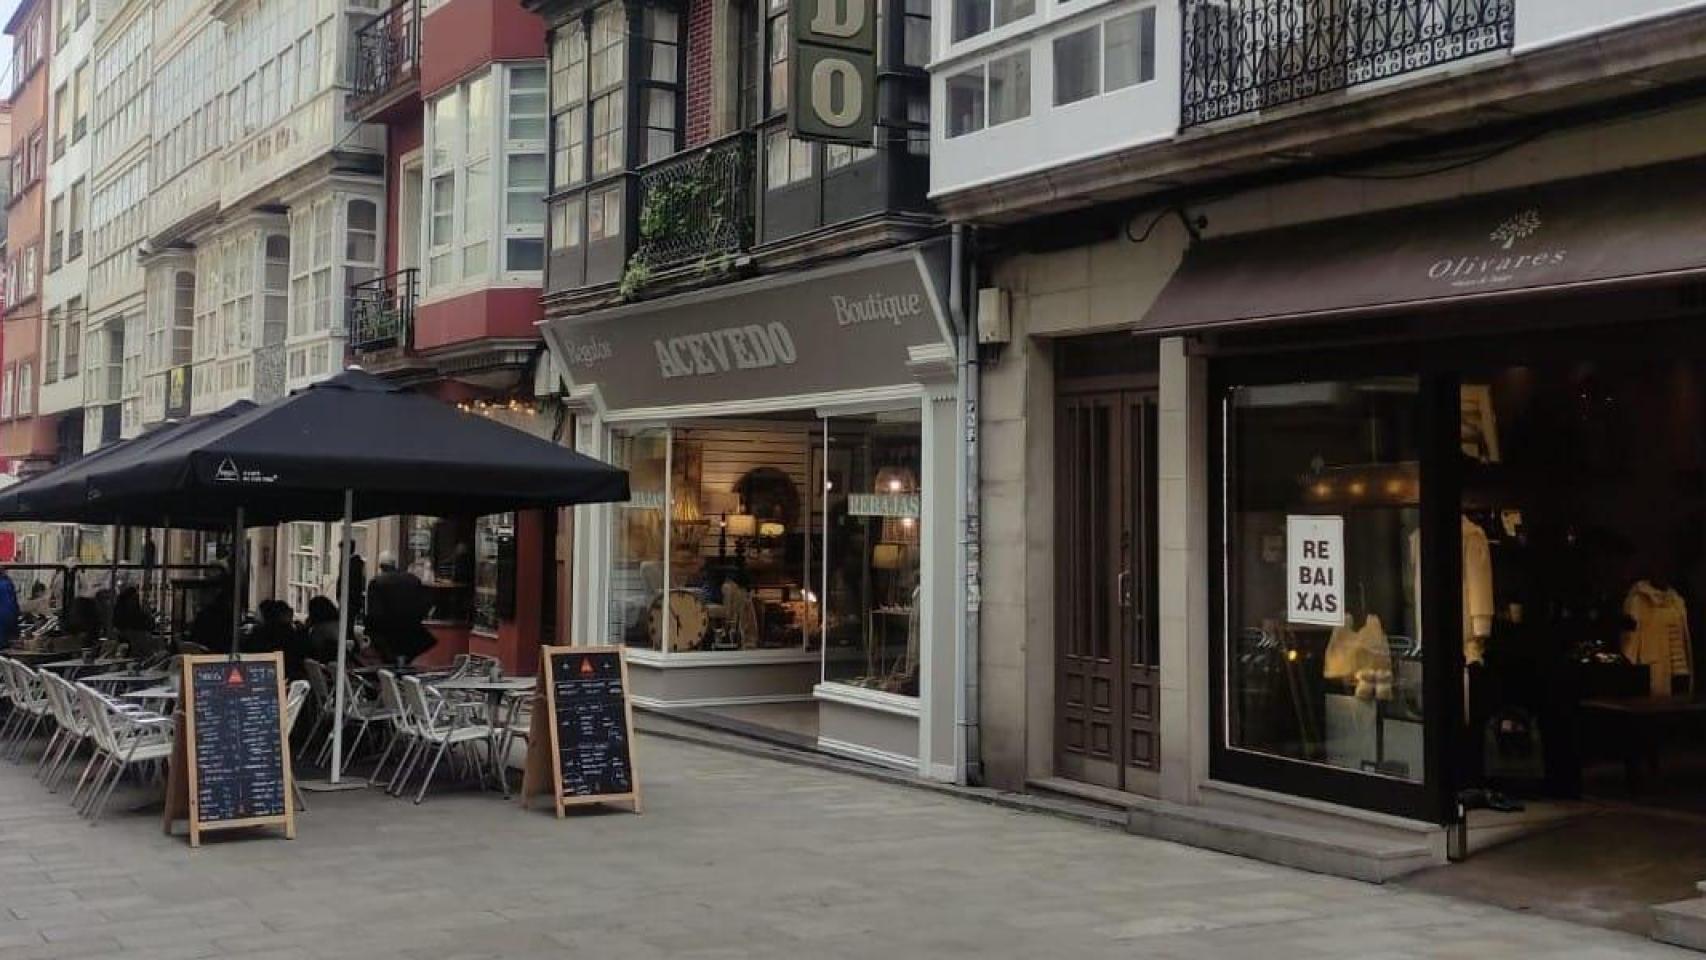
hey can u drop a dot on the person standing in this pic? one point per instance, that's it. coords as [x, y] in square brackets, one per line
[357, 582]
[9, 611]
[397, 605]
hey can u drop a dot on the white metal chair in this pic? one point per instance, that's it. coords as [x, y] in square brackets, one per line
[123, 739]
[402, 730]
[360, 710]
[442, 725]
[29, 706]
[294, 699]
[73, 730]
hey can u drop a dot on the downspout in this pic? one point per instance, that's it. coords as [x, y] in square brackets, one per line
[968, 763]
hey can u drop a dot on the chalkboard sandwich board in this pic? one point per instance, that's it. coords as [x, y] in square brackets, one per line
[231, 760]
[581, 746]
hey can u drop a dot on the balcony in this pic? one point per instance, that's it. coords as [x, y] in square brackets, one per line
[696, 208]
[387, 60]
[382, 312]
[1243, 56]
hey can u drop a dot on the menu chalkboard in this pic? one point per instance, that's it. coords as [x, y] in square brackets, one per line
[586, 744]
[232, 764]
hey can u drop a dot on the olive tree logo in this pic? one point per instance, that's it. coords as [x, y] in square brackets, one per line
[1520, 227]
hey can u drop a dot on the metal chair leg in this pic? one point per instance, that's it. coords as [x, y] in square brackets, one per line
[431, 769]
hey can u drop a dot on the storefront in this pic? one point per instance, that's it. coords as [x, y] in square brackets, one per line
[786, 559]
[1456, 504]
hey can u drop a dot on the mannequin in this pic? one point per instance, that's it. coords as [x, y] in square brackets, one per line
[1660, 638]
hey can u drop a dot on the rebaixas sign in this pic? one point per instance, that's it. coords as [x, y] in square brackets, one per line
[833, 68]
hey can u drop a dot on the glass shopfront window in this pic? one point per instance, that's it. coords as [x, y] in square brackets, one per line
[773, 533]
[1322, 569]
[873, 468]
[440, 551]
[637, 540]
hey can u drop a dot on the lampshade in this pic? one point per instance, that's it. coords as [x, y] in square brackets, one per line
[895, 480]
[741, 524]
[885, 556]
[771, 528]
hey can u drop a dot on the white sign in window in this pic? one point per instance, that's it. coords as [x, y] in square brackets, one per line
[1315, 570]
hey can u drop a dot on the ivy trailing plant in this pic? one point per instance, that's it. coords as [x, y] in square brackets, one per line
[696, 205]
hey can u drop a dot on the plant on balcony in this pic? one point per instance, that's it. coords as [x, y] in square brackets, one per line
[689, 213]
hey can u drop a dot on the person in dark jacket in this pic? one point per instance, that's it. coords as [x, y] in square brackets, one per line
[212, 627]
[9, 611]
[132, 624]
[397, 606]
[357, 583]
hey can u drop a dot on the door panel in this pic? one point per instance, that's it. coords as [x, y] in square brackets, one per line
[1106, 666]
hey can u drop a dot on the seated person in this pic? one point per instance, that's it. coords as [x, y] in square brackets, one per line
[316, 639]
[38, 605]
[211, 629]
[132, 624]
[274, 631]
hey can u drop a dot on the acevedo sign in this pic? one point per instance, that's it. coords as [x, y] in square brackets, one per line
[1315, 570]
[836, 330]
[833, 64]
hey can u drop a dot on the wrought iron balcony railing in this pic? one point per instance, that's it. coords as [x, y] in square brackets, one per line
[387, 54]
[382, 312]
[697, 205]
[1241, 56]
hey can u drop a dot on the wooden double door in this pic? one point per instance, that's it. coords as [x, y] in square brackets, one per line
[1107, 639]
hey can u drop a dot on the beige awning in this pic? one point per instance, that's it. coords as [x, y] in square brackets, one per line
[1618, 228]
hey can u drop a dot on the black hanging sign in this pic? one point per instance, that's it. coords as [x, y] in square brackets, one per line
[581, 747]
[231, 761]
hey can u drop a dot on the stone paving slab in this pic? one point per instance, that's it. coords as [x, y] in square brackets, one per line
[736, 857]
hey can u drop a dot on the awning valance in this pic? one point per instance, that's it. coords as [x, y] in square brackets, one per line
[1615, 228]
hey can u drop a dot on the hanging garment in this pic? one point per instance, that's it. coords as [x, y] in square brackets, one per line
[1477, 592]
[1477, 601]
[1364, 650]
[1660, 639]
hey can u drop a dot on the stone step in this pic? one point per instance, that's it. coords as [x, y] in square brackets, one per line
[1682, 923]
[1341, 850]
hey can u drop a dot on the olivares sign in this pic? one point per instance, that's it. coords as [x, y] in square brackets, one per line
[834, 66]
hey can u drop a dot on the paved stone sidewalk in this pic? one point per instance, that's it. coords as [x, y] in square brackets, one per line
[735, 857]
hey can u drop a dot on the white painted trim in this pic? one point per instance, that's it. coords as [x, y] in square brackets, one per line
[876, 700]
[671, 706]
[874, 757]
[720, 658]
[901, 393]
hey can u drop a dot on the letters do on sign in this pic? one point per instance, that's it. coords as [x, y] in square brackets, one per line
[1315, 570]
[834, 71]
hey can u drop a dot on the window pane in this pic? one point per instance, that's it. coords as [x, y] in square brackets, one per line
[965, 102]
[778, 60]
[1007, 11]
[571, 148]
[1130, 44]
[1010, 88]
[446, 128]
[637, 541]
[443, 207]
[1077, 65]
[971, 17]
[566, 219]
[1323, 518]
[479, 117]
[524, 201]
[527, 103]
[524, 254]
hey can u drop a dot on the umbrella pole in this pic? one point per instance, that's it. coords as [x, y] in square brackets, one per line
[343, 636]
[237, 551]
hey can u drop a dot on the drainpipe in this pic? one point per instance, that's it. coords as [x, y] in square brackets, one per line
[968, 762]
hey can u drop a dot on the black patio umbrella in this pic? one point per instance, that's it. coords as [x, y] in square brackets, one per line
[61, 494]
[350, 447]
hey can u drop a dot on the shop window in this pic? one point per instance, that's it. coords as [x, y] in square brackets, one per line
[637, 541]
[872, 472]
[1322, 653]
[494, 535]
[440, 551]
